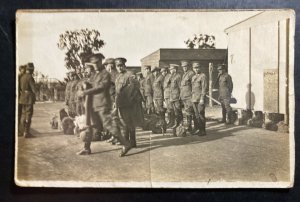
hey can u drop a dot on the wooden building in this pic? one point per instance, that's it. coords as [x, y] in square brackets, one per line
[260, 61]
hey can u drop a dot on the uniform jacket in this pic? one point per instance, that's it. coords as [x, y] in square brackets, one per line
[158, 92]
[148, 84]
[186, 85]
[199, 87]
[142, 83]
[225, 85]
[27, 89]
[128, 96]
[175, 82]
[167, 82]
[112, 90]
[101, 82]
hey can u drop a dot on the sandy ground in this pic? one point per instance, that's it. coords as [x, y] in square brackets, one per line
[227, 153]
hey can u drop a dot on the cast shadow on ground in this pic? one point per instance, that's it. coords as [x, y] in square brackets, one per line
[160, 141]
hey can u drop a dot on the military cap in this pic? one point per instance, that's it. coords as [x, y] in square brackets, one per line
[221, 66]
[148, 67]
[109, 61]
[155, 69]
[196, 65]
[184, 63]
[120, 61]
[94, 58]
[164, 69]
[173, 66]
[30, 66]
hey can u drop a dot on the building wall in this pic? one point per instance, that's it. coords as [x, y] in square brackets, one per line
[252, 51]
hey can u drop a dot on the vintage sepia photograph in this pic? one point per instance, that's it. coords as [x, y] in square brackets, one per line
[155, 98]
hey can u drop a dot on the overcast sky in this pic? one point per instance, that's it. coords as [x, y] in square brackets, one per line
[132, 35]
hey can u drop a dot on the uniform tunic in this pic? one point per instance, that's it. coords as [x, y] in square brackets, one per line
[158, 93]
[186, 91]
[175, 81]
[148, 90]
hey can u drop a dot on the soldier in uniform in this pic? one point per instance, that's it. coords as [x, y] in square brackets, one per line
[22, 71]
[68, 89]
[73, 93]
[199, 89]
[158, 94]
[186, 93]
[166, 88]
[27, 99]
[101, 105]
[141, 80]
[175, 82]
[128, 101]
[225, 85]
[109, 65]
[148, 90]
[79, 87]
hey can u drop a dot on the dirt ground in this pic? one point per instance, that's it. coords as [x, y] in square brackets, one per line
[227, 154]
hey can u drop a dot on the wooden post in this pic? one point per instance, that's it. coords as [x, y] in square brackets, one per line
[210, 68]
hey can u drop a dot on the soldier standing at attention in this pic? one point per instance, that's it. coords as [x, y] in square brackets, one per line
[199, 89]
[101, 105]
[186, 93]
[128, 101]
[27, 99]
[22, 71]
[175, 82]
[73, 94]
[141, 80]
[166, 87]
[158, 94]
[148, 90]
[225, 85]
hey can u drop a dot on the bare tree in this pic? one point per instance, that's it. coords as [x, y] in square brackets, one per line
[78, 44]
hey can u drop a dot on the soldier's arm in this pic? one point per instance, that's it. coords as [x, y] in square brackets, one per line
[102, 83]
[204, 87]
[32, 85]
[230, 84]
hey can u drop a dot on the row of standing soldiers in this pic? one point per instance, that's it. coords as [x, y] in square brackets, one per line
[166, 90]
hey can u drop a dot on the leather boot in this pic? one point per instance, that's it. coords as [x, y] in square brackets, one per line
[86, 150]
[126, 144]
[27, 133]
[171, 119]
[132, 137]
[189, 123]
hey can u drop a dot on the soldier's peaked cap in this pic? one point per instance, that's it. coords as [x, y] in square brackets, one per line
[120, 60]
[184, 63]
[30, 66]
[196, 65]
[173, 66]
[221, 66]
[164, 69]
[94, 58]
[109, 61]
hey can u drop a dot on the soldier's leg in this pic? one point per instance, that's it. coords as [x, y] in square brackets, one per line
[228, 110]
[161, 111]
[170, 111]
[114, 128]
[202, 119]
[178, 113]
[151, 104]
[28, 111]
[86, 137]
[188, 108]
[197, 126]
[223, 111]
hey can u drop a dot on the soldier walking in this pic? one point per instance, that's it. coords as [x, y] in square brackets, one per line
[186, 93]
[199, 89]
[128, 101]
[225, 85]
[27, 100]
[101, 105]
[158, 96]
[175, 82]
[148, 90]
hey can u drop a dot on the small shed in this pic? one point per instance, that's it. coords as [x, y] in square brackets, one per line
[260, 61]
